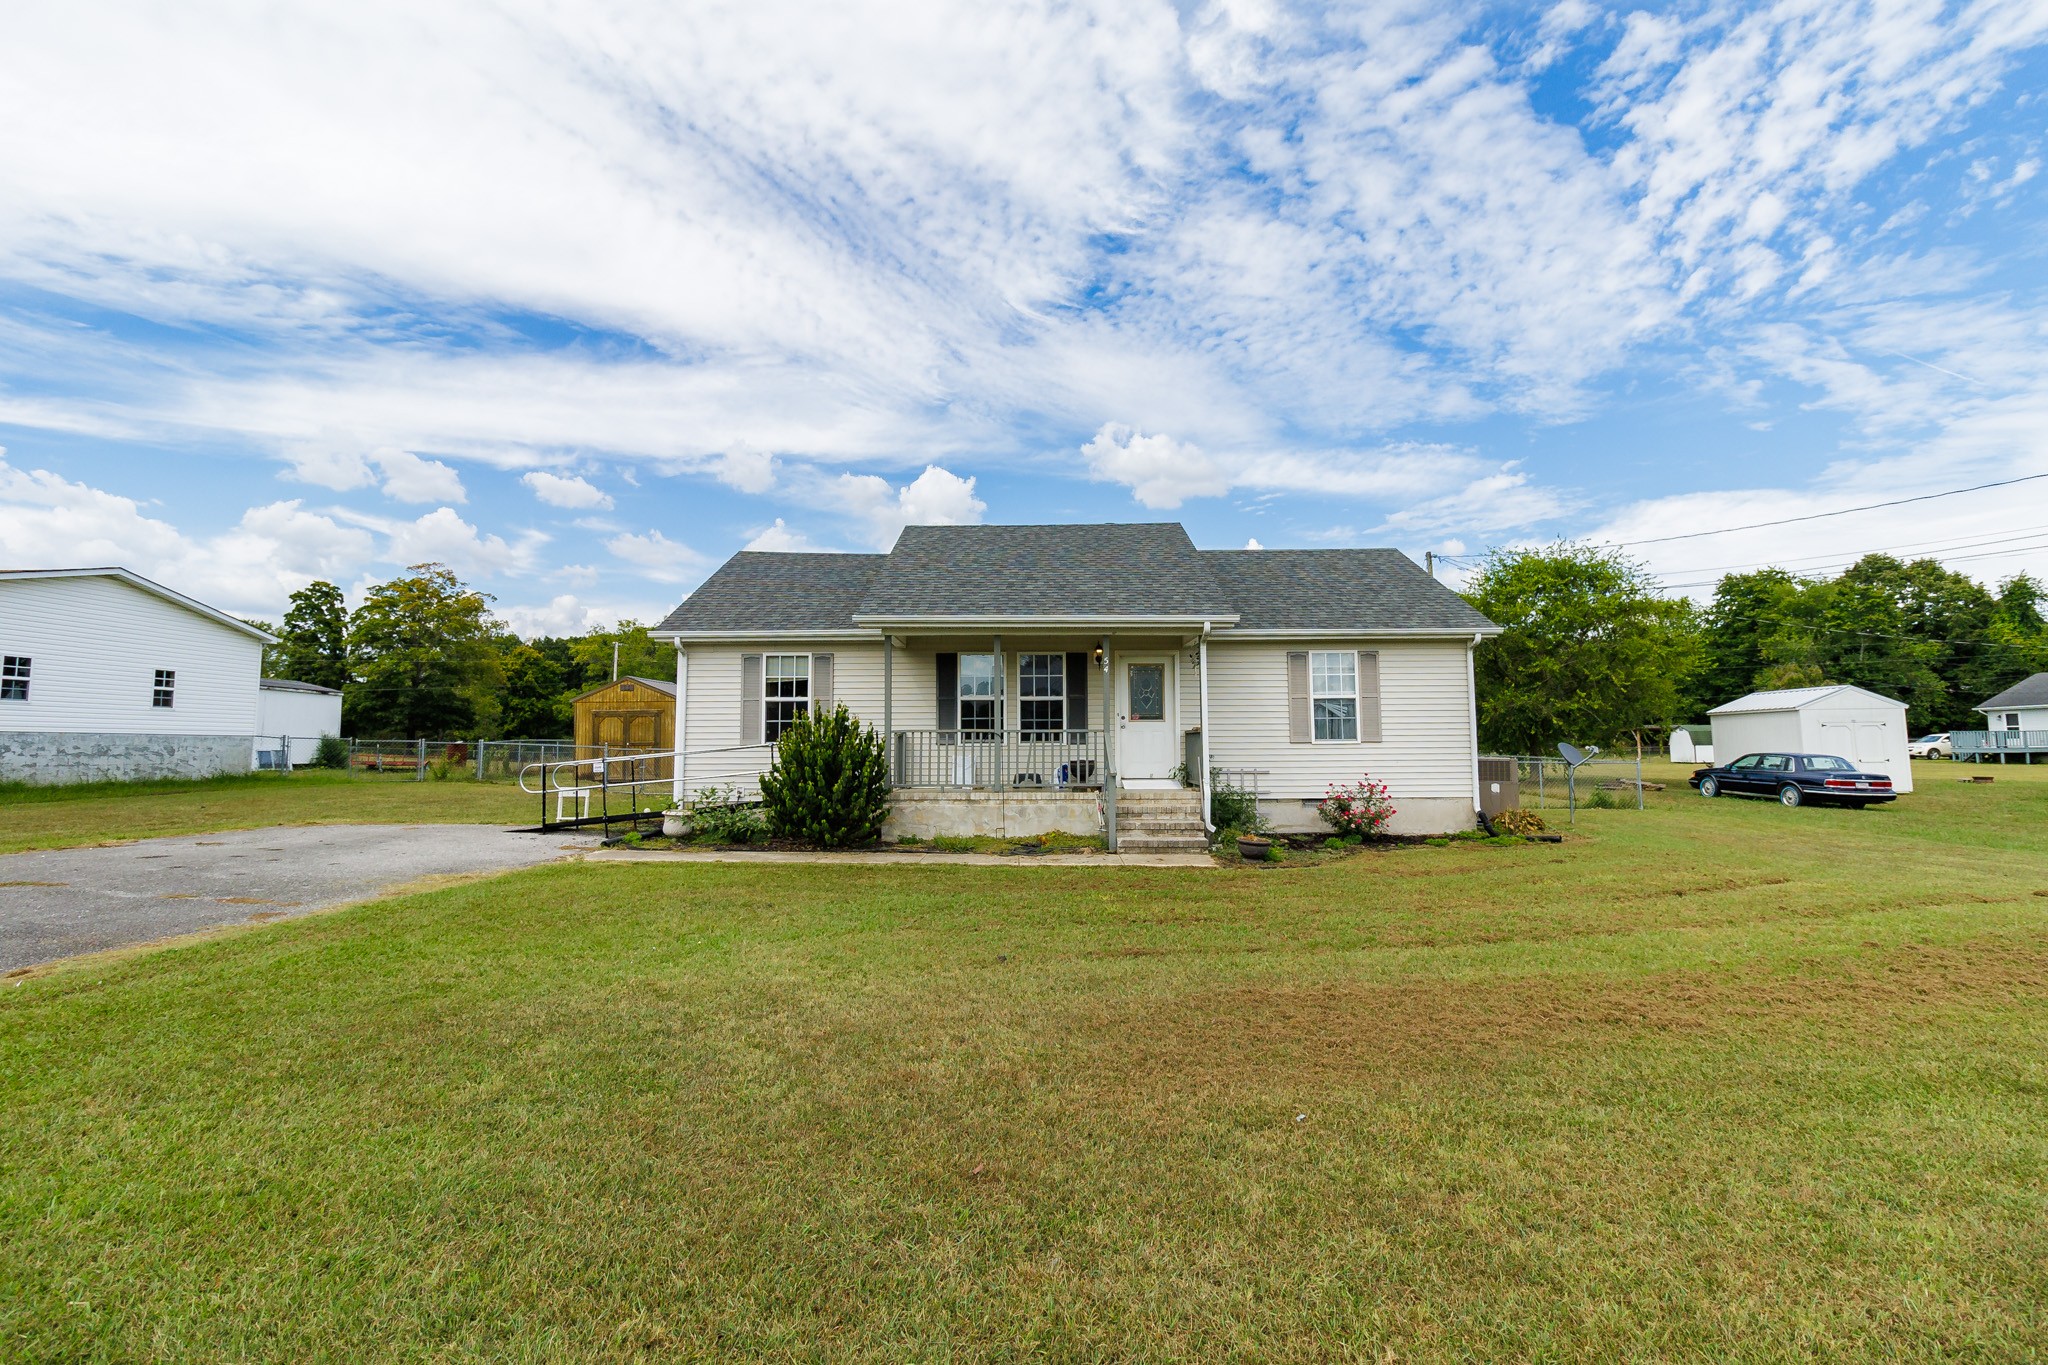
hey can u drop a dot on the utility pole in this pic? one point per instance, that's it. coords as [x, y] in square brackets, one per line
[1429, 560]
[615, 661]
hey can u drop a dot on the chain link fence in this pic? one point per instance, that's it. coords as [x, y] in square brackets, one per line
[484, 760]
[1547, 782]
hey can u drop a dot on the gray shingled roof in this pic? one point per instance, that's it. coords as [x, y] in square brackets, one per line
[759, 590]
[2026, 692]
[1146, 569]
[1337, 590]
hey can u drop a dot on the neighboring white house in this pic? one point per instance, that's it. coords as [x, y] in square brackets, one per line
[106, 675]
[1692, 744]
[1867, 729]
[2021, 707]
[1048, 677]
[297, 711]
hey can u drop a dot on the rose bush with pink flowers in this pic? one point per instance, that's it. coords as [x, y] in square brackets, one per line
[1360, 810]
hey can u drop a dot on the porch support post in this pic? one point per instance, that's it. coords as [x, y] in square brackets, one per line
[889, 702]
[680, 786]
[1108, 749]
[1202, 665]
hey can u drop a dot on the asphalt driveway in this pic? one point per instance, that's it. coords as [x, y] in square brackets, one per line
[64, 902]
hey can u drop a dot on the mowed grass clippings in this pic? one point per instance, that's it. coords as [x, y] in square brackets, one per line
[106, 812]
[1713, 1081]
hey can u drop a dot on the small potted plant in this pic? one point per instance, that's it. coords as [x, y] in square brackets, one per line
[1254, 848]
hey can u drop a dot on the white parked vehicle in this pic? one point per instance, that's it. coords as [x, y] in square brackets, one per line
[1932, 746]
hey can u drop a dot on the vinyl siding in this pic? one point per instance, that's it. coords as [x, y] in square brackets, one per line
[1425, 721]
[96, 644]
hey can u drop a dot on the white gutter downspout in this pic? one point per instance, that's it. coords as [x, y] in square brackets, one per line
[1472, 697]
[681, 785]
[1203, 674]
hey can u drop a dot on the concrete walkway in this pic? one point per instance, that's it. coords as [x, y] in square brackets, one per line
[63, 902]
[872, 859]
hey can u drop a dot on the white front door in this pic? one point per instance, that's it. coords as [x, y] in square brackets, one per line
[1145, 736]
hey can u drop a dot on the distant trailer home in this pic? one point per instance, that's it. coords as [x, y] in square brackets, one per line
[105, 675]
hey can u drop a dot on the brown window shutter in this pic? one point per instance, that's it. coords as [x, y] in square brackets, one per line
[821, 684]
[949, 691]
[1368, 696]
[750, 699]
[1300, 727]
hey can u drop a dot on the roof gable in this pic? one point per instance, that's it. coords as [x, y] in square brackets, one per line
[2031, 691]
[1363, 590]
[1143, 569]
[759, 591]
[1793, 698]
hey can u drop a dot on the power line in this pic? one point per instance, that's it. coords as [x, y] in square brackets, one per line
[1821, 516]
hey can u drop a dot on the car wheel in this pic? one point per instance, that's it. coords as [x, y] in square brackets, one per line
[1709, 788]
[1790, 795]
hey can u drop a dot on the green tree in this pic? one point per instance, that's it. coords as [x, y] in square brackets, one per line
[425, 661]
[1590, 650]
[1744, 632]
[640, 656]
[830, 782]
[533, 704]
[313, 645]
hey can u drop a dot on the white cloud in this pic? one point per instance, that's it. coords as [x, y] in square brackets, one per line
[780, 538]
[1253, 544]
[747, 469]
[937, 497]
[658, 557]
[408, 478]
[571, 490]
[443, 537]
[1159, 471]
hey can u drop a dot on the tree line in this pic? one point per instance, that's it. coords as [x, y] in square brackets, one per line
[424, 657]
[1594, 652]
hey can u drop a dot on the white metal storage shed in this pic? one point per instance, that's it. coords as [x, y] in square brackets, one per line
[1867, 729]
[298, 711]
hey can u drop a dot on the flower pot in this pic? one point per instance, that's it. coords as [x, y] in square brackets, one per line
[675, 823]
[1254, 849]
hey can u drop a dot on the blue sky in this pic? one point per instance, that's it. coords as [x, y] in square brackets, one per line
[582, 300]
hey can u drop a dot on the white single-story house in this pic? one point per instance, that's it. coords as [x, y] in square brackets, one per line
[1091, 678]
[2015, 722]
[1867, 729]
[1692, 744]
[299, 712]
[105, 675]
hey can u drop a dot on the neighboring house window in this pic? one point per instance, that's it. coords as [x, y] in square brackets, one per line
[2012, 720]
[1042, 694]
[13, 678]
[787, 693]
[164, 689]
[977, 691]
[1333, 695]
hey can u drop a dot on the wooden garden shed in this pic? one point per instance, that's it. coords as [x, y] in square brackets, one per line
[626, 716]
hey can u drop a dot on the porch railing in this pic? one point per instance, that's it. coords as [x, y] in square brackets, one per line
[1970, 743]
[993, 760]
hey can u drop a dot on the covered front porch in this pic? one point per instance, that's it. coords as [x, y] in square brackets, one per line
[1022, 733]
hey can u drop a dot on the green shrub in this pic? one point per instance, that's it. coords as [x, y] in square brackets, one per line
[1360, 810]
[830, 783]
[720, 817]
[331, 752]
[1235, 810]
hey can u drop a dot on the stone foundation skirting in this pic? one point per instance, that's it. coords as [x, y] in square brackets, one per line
[48, 758]
[927, 814]
[1412, 815]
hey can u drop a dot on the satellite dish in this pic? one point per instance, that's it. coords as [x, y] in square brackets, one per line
[1573, 754]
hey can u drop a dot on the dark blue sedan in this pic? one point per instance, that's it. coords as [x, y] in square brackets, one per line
[1795, 779]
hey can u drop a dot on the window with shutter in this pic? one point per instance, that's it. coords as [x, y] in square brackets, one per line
[1299, 728]
[821, 682]
[750, 699]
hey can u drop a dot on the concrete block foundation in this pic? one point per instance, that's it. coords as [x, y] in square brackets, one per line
[48, 758]
[928, 814]
[1412, 815]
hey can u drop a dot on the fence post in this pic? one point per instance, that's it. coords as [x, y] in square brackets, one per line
[1639, 777]
[480, 759]
[419, 772]
[285, 743]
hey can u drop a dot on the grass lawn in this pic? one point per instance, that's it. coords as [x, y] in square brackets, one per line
[1714, 1081]
[97, 812]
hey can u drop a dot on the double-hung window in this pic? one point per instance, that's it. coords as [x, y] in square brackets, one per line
[785, 692]
[164, 690]
[977, 692]
[1042, 695]
[13, 677]
[1333, 695]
